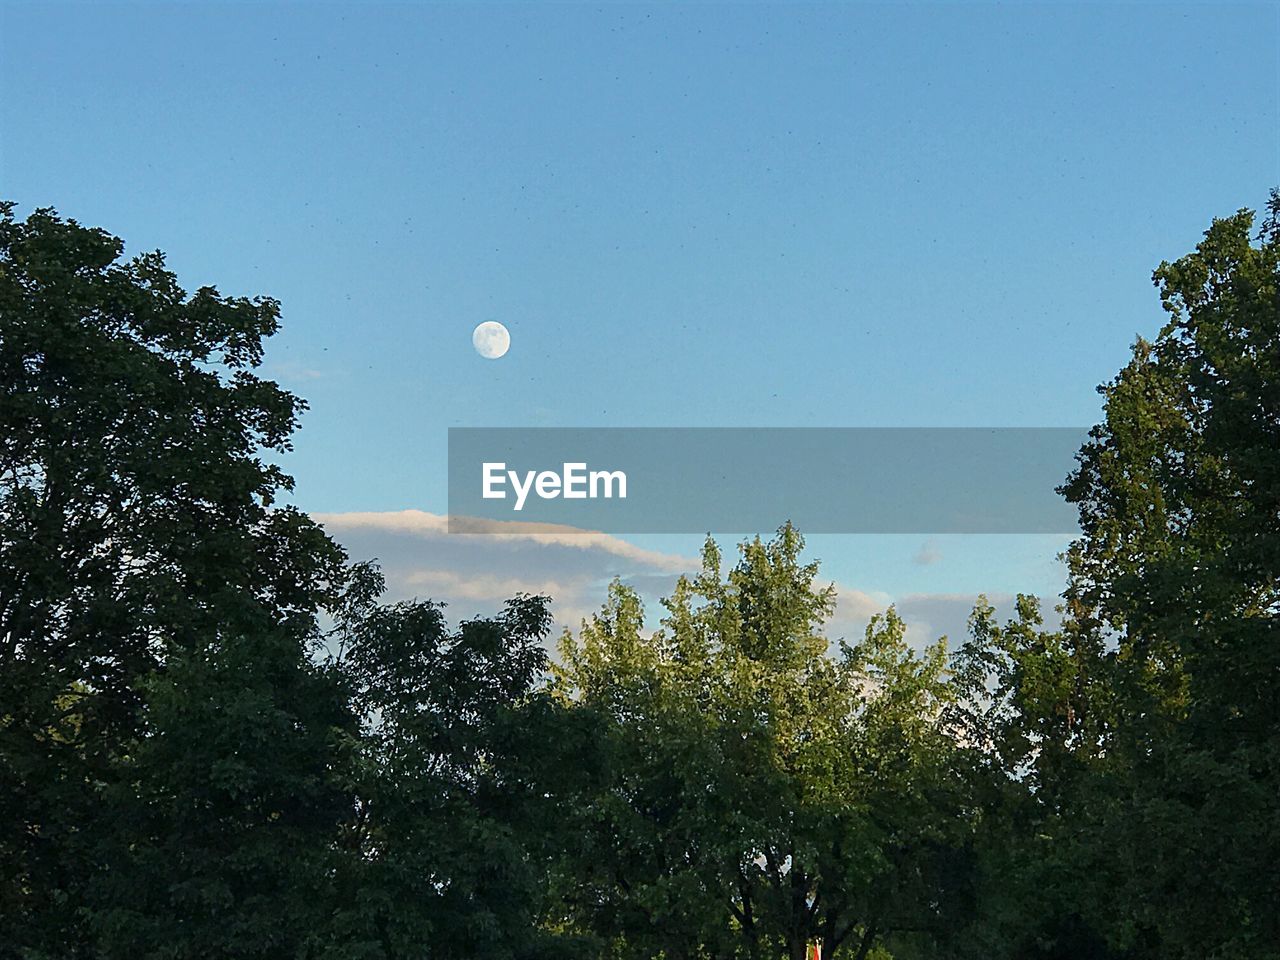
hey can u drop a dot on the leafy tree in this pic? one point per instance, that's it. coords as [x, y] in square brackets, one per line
[1024, 712]
[1179, 568]
[182, 772]
[225, 811]
[190, 766]
[1127, 764]
[157, 607]
[449, 806]
[756, 793]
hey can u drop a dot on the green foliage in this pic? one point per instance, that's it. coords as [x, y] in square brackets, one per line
[1023, 712]
[221, 813]
[438, 855]
[215, 741]
[755, 792]
[1179, 566]
[183, 774]
[138, 531]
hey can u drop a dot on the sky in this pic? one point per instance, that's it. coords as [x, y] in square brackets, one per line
[686, 215]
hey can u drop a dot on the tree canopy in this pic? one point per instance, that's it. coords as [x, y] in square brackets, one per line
[760, 786]
[218, 740]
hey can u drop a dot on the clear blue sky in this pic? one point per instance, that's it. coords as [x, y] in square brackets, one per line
[853, 214]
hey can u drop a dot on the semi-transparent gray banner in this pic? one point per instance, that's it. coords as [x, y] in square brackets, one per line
[735, 480]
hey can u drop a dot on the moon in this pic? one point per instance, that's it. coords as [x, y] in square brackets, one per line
[491, 339]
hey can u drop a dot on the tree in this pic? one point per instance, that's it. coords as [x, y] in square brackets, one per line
[225, 811]
[1025, 711]
[1178, 567]
[443, 848]
[152, 594]
[185, 770]
[755, 793]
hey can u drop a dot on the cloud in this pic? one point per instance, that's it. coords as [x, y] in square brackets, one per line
[933, 615]
[423, 524]
[292, 372]
[854, 610]
[928, 554]
[476, 572]
[928, 616]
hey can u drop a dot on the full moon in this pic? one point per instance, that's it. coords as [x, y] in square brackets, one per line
[491, 339]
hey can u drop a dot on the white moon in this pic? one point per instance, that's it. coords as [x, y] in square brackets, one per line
[491, 339]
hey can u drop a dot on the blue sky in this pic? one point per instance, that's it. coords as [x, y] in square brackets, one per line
[853, 214]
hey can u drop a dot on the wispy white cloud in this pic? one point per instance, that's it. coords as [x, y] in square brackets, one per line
[854, 610]
[424, 524]
[928, 616]
[476, 572]
[292, 372]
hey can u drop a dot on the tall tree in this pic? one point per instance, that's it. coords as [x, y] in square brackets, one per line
[444, 849]
[1025, 711]
[150, 587]
[757, 793]
[187, 769]
[1179, 567]
[225, 812]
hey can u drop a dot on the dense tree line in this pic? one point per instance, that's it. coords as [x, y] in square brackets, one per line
[216, 740]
